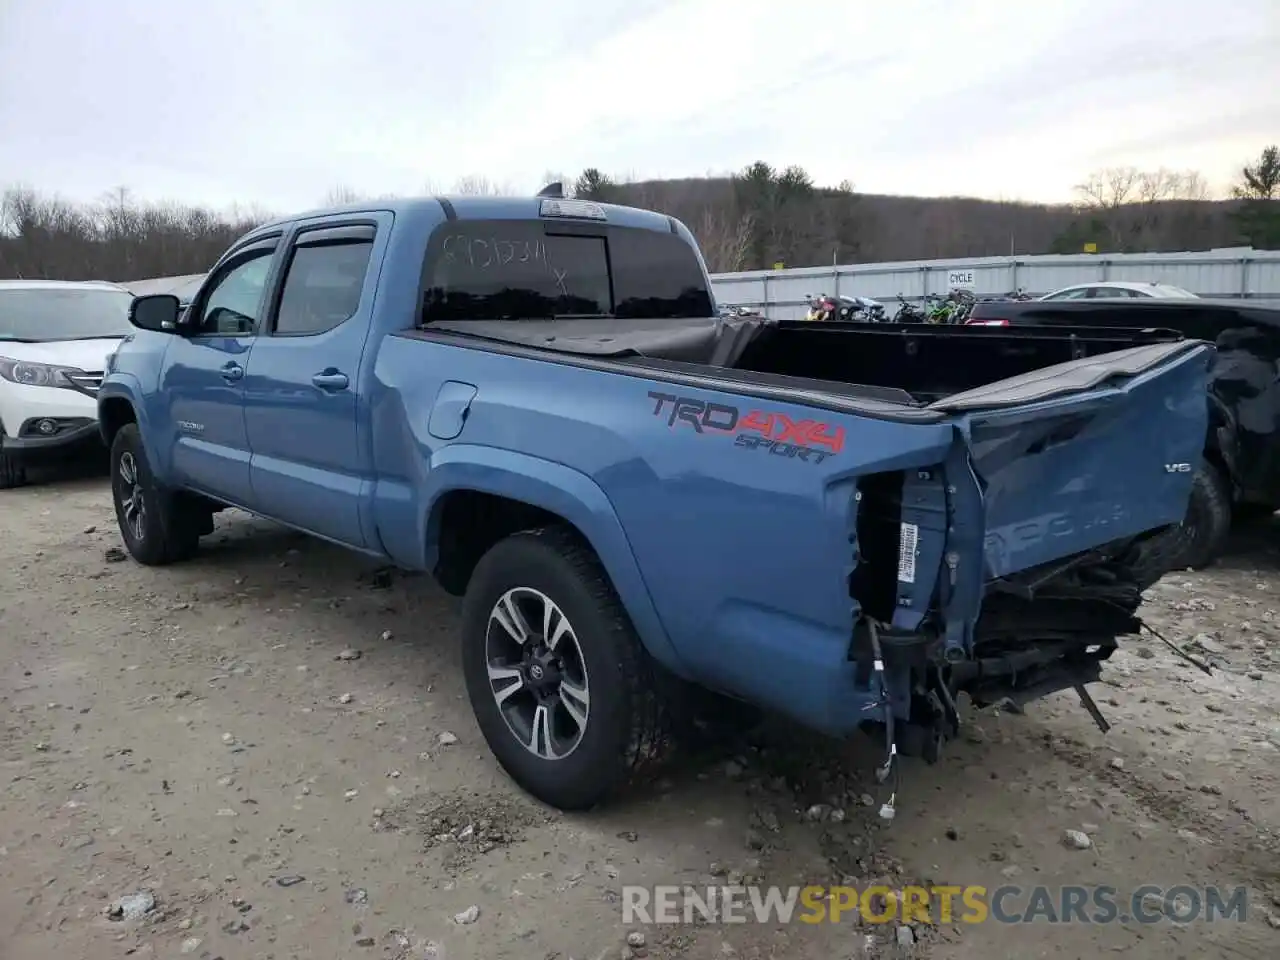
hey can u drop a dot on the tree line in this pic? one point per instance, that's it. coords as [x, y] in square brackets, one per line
[757, 218]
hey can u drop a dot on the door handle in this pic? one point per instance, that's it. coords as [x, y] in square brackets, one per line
[331, 380]
[232, 371]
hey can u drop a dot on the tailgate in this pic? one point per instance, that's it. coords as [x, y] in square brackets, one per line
[1076, 455]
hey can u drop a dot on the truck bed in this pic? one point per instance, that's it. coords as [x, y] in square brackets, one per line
[909, 365]
[929, 363]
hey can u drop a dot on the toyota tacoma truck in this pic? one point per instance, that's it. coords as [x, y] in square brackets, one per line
[1238, 475]
[535, 400]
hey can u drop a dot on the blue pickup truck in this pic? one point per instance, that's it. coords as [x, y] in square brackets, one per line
[536, 400]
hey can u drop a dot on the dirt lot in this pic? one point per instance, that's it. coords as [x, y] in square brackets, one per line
[272, 742]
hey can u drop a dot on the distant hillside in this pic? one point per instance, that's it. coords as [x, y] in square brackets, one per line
[751, 220]
[850, 227]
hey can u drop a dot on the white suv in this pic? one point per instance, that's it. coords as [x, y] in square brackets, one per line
[55, 338]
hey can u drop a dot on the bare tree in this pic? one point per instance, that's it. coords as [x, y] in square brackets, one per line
[482, 187]
[1195, 187]
[752, 219]
[341, 195]
[1161, 185]
[1125, 208]
[725, 239]
[1110, 188]
[116, 239]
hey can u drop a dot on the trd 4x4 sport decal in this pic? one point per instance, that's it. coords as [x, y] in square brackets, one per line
[775, 433]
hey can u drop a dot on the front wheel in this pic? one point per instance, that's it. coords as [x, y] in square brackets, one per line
[158, 527]
[563, 691]
[12, 472]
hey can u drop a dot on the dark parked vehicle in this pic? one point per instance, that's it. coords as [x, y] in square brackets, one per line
[1240, 475]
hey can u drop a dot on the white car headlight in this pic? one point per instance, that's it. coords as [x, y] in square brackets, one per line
[36, 374]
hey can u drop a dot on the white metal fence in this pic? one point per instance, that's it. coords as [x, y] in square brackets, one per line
[1228, 274]
[1234, 273]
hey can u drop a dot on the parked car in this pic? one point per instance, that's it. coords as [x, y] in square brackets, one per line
[186, 290]
[55, 338]
[535, 400]
[1120, 290]
[1239, 473]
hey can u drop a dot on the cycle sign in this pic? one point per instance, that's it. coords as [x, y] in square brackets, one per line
[960, 280]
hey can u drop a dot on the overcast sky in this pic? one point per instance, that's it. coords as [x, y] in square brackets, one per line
[276, 102]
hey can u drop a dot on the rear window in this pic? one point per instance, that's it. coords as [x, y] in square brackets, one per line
[525, 270]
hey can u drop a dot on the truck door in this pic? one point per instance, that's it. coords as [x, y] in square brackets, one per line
[310, 463]
[204, 376]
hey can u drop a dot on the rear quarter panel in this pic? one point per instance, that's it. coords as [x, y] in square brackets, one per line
[744, 554]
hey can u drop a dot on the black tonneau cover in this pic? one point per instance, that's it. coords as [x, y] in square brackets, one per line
[721, 341]
[716, 341]
[1132, 312]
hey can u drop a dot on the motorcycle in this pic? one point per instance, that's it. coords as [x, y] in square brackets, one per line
[962, 305]
[821, 308]
[907, 312]
[843, 308]
[861, 310]
[735, 312]
[952, 308]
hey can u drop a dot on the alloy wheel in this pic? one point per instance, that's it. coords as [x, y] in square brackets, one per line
[537, 674]
[133, 504]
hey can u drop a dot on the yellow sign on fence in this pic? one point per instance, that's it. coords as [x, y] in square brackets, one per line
[1090, 248]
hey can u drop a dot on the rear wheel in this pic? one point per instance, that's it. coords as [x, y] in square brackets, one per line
[561, 687]
[1208, 522]
[1249, 514]
[158, 526]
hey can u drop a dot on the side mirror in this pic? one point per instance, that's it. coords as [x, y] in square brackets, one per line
[158, 312]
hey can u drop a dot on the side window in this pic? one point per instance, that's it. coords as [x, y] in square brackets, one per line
[233, 305]
[1113, 293]
[1079, 293]
[322, 287]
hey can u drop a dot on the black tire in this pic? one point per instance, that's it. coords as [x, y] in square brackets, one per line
[703, 720]
[168, 527]
[1205, 530]
[625, 727]
[1245, 515]
[12, 472]
[1152, 557]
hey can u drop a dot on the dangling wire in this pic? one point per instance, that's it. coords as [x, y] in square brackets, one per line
[890, 765]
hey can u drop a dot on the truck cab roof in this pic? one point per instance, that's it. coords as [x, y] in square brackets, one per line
[470, 207]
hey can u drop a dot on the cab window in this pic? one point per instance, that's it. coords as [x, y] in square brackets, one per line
[233, 305]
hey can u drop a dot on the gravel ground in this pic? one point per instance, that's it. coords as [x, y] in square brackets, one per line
[271, 744]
